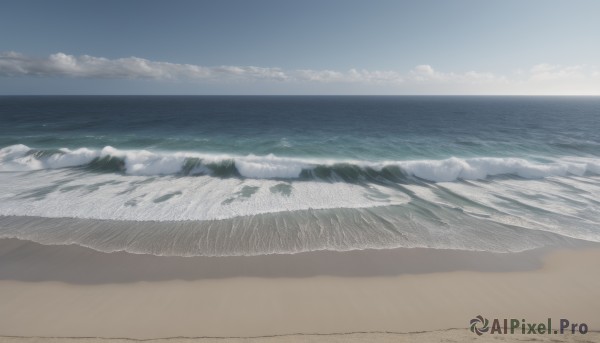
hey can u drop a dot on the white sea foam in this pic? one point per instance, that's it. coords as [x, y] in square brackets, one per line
[17, 158]
[479, 168]
[546, 202]
[12, 152]
[56, 193]
[270, 166]
[143, 162]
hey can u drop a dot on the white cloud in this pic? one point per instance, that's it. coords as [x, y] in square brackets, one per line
[319, 75]
[423, 79]
[547, 71]
[548, 78]
[60, 64]
[426, 73]
[423, 72]
[246, 72]
[351, 76]
[376, 76]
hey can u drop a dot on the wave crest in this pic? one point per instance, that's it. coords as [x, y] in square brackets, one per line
[147, 163]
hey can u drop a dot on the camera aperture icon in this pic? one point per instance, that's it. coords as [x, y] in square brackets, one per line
[479, 325]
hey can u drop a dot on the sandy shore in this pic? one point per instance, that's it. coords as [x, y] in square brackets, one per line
[450, 335]
[72, 291]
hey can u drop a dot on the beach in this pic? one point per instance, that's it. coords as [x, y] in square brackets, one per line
[299, 218]
[398, 294]
[299, 171]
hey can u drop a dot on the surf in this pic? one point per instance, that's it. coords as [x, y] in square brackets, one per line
[144, 162]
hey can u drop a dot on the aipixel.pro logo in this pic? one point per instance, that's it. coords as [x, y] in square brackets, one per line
[480, 325]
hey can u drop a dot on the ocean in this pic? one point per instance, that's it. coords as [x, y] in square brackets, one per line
[253, 175]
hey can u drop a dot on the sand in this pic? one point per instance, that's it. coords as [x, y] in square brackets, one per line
[389, 295]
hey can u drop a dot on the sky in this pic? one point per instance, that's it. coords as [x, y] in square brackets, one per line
[267, 47]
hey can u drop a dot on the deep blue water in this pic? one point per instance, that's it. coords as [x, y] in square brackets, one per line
[368, 128]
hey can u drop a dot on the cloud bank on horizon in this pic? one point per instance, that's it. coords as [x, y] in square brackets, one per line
[540, 79]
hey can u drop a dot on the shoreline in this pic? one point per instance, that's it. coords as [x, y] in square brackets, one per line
[72, 291]
[445, 335]
[281, 233]
[35, 262]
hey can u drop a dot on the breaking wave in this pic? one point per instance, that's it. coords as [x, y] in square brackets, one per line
[191, 203]
[147, 163]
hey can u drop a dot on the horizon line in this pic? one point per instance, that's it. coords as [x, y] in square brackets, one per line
[324, 95]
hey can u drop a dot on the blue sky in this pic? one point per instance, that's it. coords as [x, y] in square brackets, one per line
[299, 47]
